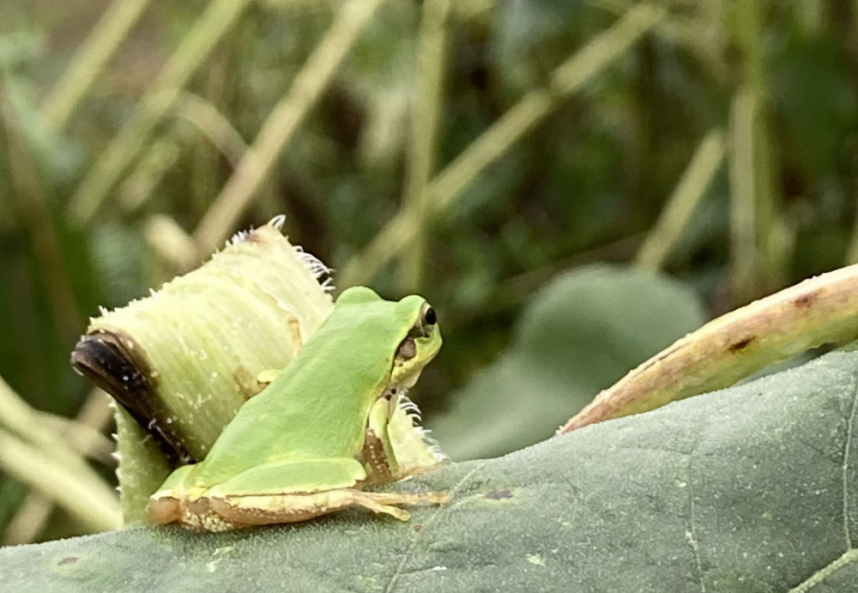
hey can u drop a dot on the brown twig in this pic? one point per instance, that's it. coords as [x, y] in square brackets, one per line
[818, 311]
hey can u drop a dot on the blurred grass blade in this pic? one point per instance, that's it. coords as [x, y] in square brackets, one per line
[742, 195]
[41, 459]
[30, 203]
[424, 130]
[282, 123]
[771, 234]
[818, 311]
[57, 156]
[195, 49]
[20, 46]
[450, 183]
[60, 483]
[682, 204]
[139, 185]
[84, 436]
[172, 244]
[213, 125]
[23, 421]
[84, 433]
[163, 154]
[852, 253]
[29, 519]
[99, 47]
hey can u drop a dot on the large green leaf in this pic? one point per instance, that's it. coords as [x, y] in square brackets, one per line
[749, 489]
[578, 335]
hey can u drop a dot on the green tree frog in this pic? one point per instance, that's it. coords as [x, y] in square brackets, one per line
[308, 443]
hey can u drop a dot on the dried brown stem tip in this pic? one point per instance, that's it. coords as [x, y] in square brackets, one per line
[818, 311]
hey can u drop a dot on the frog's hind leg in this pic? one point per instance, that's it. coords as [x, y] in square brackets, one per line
[285, 491]
[289, 508]
[382, 502]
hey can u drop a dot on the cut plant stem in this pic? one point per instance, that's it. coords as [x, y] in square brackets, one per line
[822, 310]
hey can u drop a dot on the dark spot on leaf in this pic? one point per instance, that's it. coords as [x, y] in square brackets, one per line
[741, 344]
[418, 527]
[68, 560]
[499, 494]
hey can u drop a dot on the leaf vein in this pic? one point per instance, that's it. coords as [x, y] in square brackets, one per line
[434, 518]
[845, 470]
[692, 536]
[823, 573]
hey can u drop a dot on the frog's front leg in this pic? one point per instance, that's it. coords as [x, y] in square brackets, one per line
[378, 453]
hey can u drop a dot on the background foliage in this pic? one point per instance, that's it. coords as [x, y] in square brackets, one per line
[470, 150]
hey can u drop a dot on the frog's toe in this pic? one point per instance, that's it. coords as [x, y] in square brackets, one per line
[386, 509]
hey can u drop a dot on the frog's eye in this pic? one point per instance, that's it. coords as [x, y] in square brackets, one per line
[426, 322]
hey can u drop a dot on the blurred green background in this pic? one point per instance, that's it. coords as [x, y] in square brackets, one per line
[485, 153]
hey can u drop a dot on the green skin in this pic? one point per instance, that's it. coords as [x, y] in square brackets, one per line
[307, 443]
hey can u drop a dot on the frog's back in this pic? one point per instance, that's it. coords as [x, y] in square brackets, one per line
[317, 406]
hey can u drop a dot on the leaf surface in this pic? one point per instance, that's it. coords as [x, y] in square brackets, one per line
[748, 489]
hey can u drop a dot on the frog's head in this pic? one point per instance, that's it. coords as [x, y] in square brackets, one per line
[419, 345]
[405, 333]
